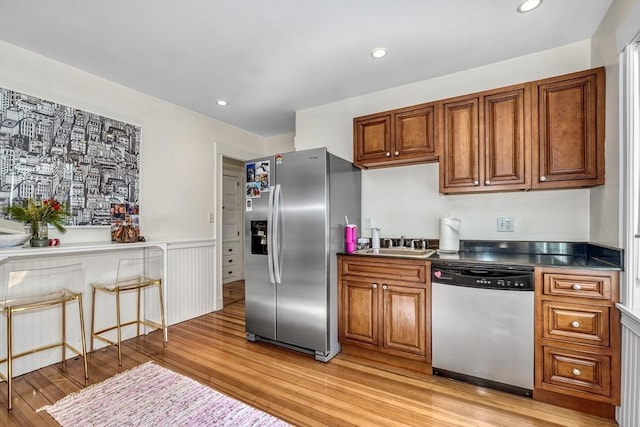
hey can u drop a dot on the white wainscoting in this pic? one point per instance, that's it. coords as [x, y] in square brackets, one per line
[628, 414]
[191, 275]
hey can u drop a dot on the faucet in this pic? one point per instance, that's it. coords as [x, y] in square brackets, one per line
[401, 244]
[388, 243]
[413, 243]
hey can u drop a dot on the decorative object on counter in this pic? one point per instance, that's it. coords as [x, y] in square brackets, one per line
[9, 240]
[125, 222]
[38, 215]
[449, 235]
[125, 233]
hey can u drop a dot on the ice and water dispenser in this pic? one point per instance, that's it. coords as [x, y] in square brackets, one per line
[259, 237]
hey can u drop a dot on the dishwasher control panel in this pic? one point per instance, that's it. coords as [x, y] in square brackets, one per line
[515, 280]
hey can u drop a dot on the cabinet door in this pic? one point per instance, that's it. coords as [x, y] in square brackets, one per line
[505, 133]
[359, 312]
[568, 130]
[415, 134]
[372, 139]
[404, 314]
[460, 162]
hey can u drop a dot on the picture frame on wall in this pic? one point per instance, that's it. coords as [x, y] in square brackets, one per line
[79, 158]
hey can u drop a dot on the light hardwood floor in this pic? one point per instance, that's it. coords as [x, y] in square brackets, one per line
[344, 392]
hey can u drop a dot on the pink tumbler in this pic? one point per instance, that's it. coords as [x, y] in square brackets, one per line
[350, 238]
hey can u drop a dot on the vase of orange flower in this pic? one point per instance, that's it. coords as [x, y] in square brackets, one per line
[38, 215]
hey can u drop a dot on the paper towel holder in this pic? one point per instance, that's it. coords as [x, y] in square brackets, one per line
[449, 242]
[375, 238]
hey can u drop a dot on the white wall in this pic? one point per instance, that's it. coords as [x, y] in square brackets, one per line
[279, 144]
[606, 201]
[177, 160]
[405, 200]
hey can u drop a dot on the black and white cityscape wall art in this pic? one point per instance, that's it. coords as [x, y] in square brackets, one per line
[88, 162]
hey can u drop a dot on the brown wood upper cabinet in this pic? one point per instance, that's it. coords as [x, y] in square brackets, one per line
[568, 130]
[486, 141]
[537, 135]
[397, 137]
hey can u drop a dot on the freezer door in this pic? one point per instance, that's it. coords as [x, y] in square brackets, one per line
[260, 293]
[302, 294]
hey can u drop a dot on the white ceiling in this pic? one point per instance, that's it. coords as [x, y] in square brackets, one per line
[271, 58]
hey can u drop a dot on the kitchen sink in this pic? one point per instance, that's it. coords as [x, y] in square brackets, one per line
[399, 252]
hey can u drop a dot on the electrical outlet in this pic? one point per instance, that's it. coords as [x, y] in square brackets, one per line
[506, 224]
[368, 224]
[212, 217]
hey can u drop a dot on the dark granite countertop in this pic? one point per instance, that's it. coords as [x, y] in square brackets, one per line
[530, 254]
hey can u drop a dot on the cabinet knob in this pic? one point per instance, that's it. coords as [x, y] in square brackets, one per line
[230, 261]
[388, 154]
[576, 372]
[576, 287]
[543, 178]
[374, 286]
[487, 182]
[384, 287]
[575, 324]
[229, 250]
[397, 153]
[476, 182]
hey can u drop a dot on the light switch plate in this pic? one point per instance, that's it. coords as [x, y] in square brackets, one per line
[506, 224]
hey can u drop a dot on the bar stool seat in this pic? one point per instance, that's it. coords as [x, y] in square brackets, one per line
[134, 274]
[37, 289]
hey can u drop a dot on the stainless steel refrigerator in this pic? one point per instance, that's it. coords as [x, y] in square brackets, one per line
[295, 209]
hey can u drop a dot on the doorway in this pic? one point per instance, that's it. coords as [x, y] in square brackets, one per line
[232, 230]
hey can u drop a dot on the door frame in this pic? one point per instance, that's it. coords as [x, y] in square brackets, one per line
[221, 151]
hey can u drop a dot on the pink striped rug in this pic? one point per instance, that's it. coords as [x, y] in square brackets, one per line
[150, 395]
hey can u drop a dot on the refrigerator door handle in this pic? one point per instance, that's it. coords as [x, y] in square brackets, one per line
[270, 238]
[274, 235]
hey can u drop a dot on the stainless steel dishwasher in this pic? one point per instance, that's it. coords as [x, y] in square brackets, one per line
[482, 325]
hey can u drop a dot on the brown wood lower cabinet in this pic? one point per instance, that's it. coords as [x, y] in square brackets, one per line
[384, 310]
[577, 349]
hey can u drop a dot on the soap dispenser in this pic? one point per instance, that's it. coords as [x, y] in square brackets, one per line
[375, 238]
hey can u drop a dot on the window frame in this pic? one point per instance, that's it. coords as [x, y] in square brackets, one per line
[630, 177]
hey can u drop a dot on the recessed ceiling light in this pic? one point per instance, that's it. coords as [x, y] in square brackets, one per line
[222, 102]
[378, 52]
[528, 5]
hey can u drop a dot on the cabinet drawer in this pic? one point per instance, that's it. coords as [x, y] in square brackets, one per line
[581, 371]
[584, 324]
[577, 285]
[229, 261]
[230, 248]
[383, 268]
[230, 272]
